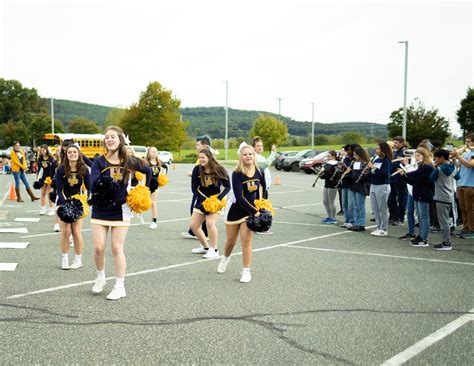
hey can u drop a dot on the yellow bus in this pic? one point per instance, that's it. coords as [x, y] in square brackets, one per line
[91, 145]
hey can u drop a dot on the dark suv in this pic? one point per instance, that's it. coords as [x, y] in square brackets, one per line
[293, 162]
[280, 156]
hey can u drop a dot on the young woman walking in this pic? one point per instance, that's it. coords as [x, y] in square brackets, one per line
[114, 166]
[248, 184]
[47, 168]
[209, 178]
[156, 167]
[71, 177]
[19, 166]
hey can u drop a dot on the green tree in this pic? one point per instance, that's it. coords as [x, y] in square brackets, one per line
[114, 117]
[16, 101]
[466, 112]
[321, 140]
[421, 124]
[14, 131]
[270, 129]
[352, 137]
[41, 124]
[83, 125]
[155, 120]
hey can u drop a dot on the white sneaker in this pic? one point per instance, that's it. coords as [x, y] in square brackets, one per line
[98, 285]
[246, 277]
[375, 232]
[56, 228]
[379, 233]
[117, 293]
[65, 263]
[199, 250]
[188, 235]
[211, 253]
[153, 225]
[268, 232]
[43, 211]
[50, 212]
[75, 265]
[223, 264]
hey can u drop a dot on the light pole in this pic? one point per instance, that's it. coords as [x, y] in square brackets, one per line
[226, 139]
[279, 108]
[404, 131]
[312, 125]
[52, 115]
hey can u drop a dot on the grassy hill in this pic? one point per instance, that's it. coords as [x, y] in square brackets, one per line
[210, 120]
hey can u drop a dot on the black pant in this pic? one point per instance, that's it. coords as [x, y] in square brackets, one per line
[203, 226]
[397, 201]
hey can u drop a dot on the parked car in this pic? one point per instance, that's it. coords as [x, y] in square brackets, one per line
[165, 157]
[308, 165]
[139, 151]
[293, 162]
[280, 156]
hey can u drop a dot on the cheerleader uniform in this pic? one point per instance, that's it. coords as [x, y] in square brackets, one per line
[121, 214]
[69, 185]
[156, 170]
[201, 192]
[246, 191]
[48, 168]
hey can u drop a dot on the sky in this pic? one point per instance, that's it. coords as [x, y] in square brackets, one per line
[343, 56]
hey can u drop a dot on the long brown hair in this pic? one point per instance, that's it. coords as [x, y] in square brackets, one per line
[241, 168]
[48, 152]
[426, 156]
[128, 163]
[81, 167]
[385, 151]
[217, 171]
[362, 154]
[148, 157]
[65, 144]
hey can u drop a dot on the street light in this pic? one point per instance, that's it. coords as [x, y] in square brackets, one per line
[404, 131]
[226, 138]
[279, 108]
[52, 115]
[312, 125]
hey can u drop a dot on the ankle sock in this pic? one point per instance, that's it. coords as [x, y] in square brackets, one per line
[101, 274]
[120, 282]
[78, 258]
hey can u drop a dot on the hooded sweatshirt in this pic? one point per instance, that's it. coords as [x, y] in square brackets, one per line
[443, 177]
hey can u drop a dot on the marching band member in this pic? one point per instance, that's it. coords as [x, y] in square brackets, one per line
[69, 178]
[330, 190]
[19, 166]
[248, 184]
[115, 214]
[465, 186]
[359, 187]
[209, 178]
[345, 184]
[379, 178]
[47, 168]
[423, 191]
[397, 200]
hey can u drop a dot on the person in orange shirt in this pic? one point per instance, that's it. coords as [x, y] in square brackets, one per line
[19, 166]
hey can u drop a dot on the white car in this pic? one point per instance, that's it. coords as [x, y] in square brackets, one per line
[165, 157]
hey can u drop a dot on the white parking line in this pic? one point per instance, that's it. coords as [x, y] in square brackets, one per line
[381, 255]
[428, 341]
[153, 270]
[307, 204]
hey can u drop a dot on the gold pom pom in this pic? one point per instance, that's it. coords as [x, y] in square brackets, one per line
[138, 176]
[162, 180]
[85, 205]
[265, 204]
[139, 199]
[48, 181]
[213, 204]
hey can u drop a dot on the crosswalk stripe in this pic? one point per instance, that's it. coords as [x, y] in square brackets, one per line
[8, 266]
[19, 245]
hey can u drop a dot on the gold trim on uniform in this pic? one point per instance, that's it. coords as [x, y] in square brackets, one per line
[110, 223]
[198, 211]
[238, 222]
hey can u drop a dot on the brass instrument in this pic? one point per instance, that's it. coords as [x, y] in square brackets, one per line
[405, 168]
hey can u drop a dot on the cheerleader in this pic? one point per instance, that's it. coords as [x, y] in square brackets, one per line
[19, 166]
[115, 165]
[69, 178]
[156, 166]
[359, 187]
[47, 168]
[423, 192]
[329, 191]
[209, 178]
[379, 178]
[248, 184]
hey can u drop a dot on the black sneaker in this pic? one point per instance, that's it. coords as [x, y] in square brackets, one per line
[372, 219]
[435, 229]
[415, 239]
[443, 246]
[420, 244]
[407, 237]
[357, 228]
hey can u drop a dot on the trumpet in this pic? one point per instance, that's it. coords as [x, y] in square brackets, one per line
[463, 149]
[409, 152]
[405, 168]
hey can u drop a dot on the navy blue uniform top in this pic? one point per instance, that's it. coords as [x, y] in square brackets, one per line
[423, 188]
[359, 184]
[328, 174]
[247, 189]
[156, 169]
[382, 175]
[49, 167]
[201, 192]
[69, 185]
[397, 179]
[87, 160]
[101, 166]
[346, 182]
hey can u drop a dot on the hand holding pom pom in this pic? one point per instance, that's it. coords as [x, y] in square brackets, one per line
[38, 184]
[264, 204]
[213, 204]
[162, 180]
[260, 223]
[71, 211]
[104, 193]
[48, 181]
[85, 205]
[139, 199]
[138, 176]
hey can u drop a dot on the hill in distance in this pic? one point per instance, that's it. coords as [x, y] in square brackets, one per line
[210, 120]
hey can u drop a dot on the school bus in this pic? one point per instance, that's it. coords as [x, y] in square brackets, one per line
[91, 145]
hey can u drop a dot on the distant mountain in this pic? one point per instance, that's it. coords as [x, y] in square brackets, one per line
[211, 120]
